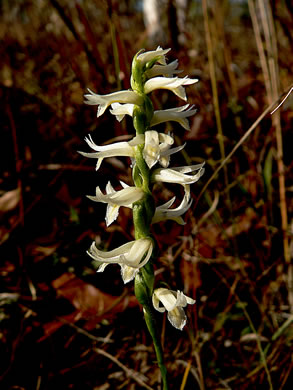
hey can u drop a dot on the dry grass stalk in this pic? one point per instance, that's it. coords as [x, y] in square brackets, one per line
[269, 66]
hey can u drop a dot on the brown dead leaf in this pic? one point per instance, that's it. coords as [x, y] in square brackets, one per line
[87, 298]
[91, 304]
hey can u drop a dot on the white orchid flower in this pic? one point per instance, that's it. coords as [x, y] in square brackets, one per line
[173, 302]
[157, 148]
[177, 114]
[104, 101]
[114, 199]
[154, 145]
[158, 54]
[125, 149]
[164, 212]
[131, 257]
[179, 175]
[174, 84]
[163, 70]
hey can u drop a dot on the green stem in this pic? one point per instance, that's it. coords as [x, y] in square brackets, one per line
[143, 289]
[152, 327]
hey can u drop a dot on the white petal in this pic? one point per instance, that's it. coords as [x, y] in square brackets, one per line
[167, 297]
[164, 212]
[123, 149]
[128, 273]
[156, 303]
[174, 84]
[104, 101]
[114, 255]
[177, 175]
[151, 151]
[124, 197]
[177, 114]
[163, 70]
[147, 56]
[111, 214]
[135, 257]
[168, 152]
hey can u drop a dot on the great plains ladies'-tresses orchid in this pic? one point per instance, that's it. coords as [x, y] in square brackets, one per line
[146, 149]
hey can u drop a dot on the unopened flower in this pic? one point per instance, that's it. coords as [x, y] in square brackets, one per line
[164, 212]
[157, 55]
[177, 114]
[179, 175]
[104, 101]
[112, 150]
[174, 84]
[173, 302]
[131, 257]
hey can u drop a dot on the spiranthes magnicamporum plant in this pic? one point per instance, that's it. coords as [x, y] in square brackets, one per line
[147, 150]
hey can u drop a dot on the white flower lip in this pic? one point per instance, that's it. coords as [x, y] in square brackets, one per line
[174, 84]
[177, 114]
[113, 150]
[104, 101]
[120, 110]
[179, 174]
[164, 212]
[131, 257]
[173, 302]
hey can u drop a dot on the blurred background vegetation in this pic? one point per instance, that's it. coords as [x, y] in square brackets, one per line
[62, 326]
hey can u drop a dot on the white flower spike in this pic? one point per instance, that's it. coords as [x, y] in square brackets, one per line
[131, 257]
[104, 101]
[173, 302]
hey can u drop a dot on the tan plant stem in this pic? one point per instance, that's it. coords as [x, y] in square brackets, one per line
[212, 71]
